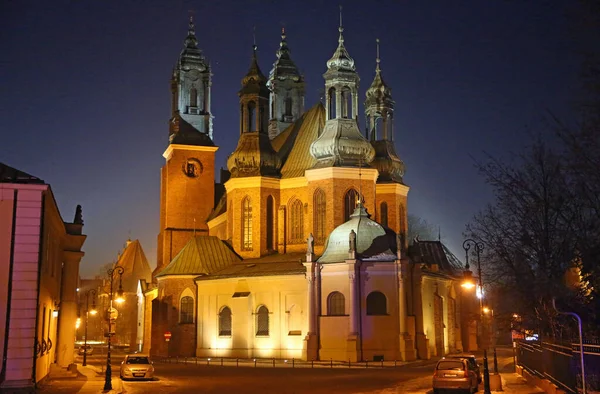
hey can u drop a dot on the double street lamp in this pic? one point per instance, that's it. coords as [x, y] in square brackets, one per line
[469, 284]
[111, 274]
[87, 313]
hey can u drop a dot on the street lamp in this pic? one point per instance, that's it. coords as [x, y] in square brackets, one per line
[87, 312]
[466, 284]
[119, 270]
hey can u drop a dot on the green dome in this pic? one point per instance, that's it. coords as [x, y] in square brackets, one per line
[373, 241]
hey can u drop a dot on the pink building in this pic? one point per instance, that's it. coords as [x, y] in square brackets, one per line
[39, 269]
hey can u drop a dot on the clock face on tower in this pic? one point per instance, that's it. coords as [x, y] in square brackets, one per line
[192, 168]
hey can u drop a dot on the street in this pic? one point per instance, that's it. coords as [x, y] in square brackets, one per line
[186, 378]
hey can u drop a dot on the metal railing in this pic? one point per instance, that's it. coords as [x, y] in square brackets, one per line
[560, 362]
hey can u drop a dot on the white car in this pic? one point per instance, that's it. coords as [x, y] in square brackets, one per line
[137, 366]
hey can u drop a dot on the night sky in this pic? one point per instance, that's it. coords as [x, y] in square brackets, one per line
[85, 99]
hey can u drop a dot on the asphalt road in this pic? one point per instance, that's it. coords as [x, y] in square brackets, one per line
[190, 378]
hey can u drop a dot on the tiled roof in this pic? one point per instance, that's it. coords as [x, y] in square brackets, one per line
[275, 264]
[12, 175]
[293, 144]
[135, 266]
[434, 252]
[202, 255]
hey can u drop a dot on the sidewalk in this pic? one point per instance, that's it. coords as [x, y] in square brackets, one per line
[90, 380]
[513, 383]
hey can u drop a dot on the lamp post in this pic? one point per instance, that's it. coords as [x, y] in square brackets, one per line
[119, 270]
[87, 312]
[478, 249]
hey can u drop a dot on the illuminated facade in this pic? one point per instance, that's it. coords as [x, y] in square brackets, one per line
[39, 272]
[281, 258]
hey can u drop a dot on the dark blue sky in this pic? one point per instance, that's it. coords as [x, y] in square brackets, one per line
[84, 100]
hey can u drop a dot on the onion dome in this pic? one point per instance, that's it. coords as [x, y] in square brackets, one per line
[284, 68]
[341, 145]
[373, 242]
[387, 162]
[254, 156]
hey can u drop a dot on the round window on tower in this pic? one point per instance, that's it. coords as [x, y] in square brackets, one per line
[192, 168]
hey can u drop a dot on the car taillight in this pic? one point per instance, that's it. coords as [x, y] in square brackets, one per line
[435, 373]
[466, 373]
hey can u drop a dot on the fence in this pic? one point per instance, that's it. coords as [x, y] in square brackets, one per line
[561, 363]
[277, 363]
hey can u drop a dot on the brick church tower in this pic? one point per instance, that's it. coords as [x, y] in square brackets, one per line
[187, 178]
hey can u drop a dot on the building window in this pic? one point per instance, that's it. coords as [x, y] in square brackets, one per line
[402, 215]
[251, 116]
[331, 98]
[186, 310]
[193, 97]
[296, 222]
[319, 209]
[383, 214]
[336, 304]
[288, 106]
[376, 304]
[246, 224]
[350, 203]
[262, 321]
[225, 322]
[270, 223]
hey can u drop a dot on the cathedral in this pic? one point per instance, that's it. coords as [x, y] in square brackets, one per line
[300, 249]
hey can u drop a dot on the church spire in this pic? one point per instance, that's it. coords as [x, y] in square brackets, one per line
[341, 142]
[286, 85]
[379, 112]
[191, 119]
[254, 155]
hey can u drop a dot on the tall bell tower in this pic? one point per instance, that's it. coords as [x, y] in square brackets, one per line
[187, 178]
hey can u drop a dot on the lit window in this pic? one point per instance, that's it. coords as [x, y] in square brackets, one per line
[296, 222]
[186, 310]
[319, 209]
[225, 322]
[336, 304]
[246, 224]
[262, 321]
[350, 203]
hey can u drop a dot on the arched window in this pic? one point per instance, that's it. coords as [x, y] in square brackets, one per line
[350, 202]
[319, 209]
[346, 103]
[383, 214]
[296, 222]
[270, 223]
[246, 224]
[193, 97]
[262, 321]
[288, 106]
[402, 214]
[186, 310]
[251, 116]
[332, 106]
[376, 304]
[336, 304]
[225, 321]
